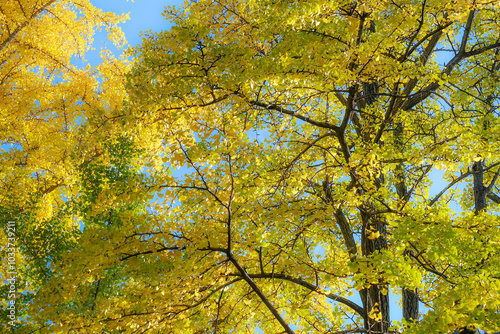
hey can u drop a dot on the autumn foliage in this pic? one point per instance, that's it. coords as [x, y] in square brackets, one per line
[263, 166]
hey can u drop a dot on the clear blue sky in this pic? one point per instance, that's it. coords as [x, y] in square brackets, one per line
[144, 15]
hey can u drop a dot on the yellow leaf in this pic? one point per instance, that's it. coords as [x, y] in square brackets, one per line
[373, 235]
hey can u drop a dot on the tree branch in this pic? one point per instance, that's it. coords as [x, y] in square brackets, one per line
[492, 183]
[495, 198]
[432, 33]
[465, 36]
[462, 54]
[347, 331]
[309, 145]
[358, 309]
[451, 184]
[259, 293]
[23, 25]
[460, 178]
[345, 228]
[272, 106]
[127, 256]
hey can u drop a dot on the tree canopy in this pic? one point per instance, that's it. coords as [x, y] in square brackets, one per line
[269, 167]
[45, 100]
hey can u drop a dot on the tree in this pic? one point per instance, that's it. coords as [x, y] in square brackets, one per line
[43, 96]
[44, 102]
[305, 134]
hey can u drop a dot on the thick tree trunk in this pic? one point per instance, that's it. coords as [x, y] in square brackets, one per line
[410, 305]
[376, 297]
[410, 300]
[479, 188]
[480, 192]
[410, 297]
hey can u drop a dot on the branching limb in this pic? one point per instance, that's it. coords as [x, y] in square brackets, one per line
[345, 228]
[461, 55]
[16, 32]
[426, 264]
[492, 183]
[206, 188]
[128, 256]
[465, 36]
[396, 103]
[216, 327]
[347, 331]
[463, 176]
[259, 293]
[358, 309]
[272, 106]
[495, 198]
[451, 184]
[309, 145]
[432, 33]
[221, 287]
[407, 196]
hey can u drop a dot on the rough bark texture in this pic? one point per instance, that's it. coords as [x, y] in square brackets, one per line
[480, 192]
[410, 305]
[373, 294]
[410, 297]
[479, 188]
[376, 294]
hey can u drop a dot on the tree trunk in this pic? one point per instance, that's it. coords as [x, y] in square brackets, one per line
[376, 297]
[479, 205]
[479, 188]
[410, 297]
[410, 304]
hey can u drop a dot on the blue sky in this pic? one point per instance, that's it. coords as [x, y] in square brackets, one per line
[144, 15]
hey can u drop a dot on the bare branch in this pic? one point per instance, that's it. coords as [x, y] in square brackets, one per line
[451, 184]
[482, 50]
[460, 178]
[347, 331]
[127, 256]
[494, 197]
[341, 98]
[432, 33]
[272, 106]
[462, 54]
[183, 187]
[465, 36]
[407, 196]
[259, 293]
[309, 145]
[492, 183]
[221, 287]
[358, 309]
[345, 228]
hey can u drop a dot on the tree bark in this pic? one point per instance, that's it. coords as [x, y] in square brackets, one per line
[480, 192]
[479, 188]
[377, 295]
[410, 296]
